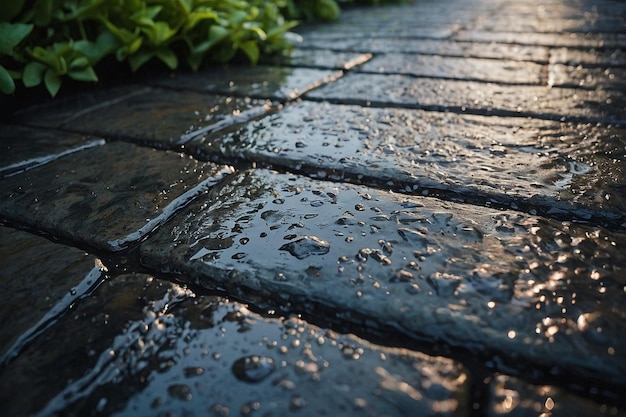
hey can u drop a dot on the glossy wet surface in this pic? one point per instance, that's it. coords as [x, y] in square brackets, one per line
[421, 211]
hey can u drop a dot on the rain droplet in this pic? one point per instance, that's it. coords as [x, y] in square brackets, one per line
[307, 246]
[253, 368]
[180, 391]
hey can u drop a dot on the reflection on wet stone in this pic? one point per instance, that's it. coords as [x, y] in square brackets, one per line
[107, 196]
[306, 246]
[479, 159]
[453, 272]
[253, 368]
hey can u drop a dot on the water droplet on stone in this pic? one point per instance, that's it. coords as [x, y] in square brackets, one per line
[306, 246]
[253, 368]
[180, 391]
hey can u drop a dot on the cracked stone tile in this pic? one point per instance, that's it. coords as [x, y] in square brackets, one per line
[492, 281]
[106, 197]
[540, 166]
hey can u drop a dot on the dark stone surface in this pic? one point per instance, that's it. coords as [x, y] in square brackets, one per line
[106, 197]
[438, 48]
[483, 98]
[265, 82]
[487, 280]
[159, 117]
[497, 71]
[24, 148]
[540, 165]
[468, 212]
[142, 346]
[39, 280]
[320, 58]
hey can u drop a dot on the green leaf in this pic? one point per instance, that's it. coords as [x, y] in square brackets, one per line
[33, 74]
[11, 34]
[9, 9]
[79, 63]
[52, 81]
[137, 60]
[86, 74]
[251, 49]
[168, 57]
[7, 85]
[216, 34]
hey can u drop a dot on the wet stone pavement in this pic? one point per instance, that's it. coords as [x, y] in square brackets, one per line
[420, 211]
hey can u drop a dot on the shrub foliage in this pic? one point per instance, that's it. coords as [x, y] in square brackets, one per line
[43, 41]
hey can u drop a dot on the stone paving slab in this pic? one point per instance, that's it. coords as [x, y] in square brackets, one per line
[18, 153]
[497, 71]
[601, 58]
[490, 281]
[593, 78]
[320, 58]
[571, 40]
[265, 82]
[159, 117]
[399, 30]
[436, 47]
[39, 280]
[474, 97]
[594, 17]
[47, 366]
[64, 110]
[106, 197]
[513, 161]
[161, 349]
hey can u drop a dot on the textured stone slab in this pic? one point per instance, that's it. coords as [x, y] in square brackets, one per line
[437, 47]
[392, 30]
[578, 40]
[473, 97]
[491, 281]
[477, 159]
[63, 111]
[25, 148]
[39, 280]
[575, 57]
[84, 342]
[498, 71]
[140, 346]
[106, 197]
[577, 76]
[512, 396]
[321, 58]
[265, 82]
[155, 116]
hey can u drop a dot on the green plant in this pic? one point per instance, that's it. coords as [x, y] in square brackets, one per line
[45, 40]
